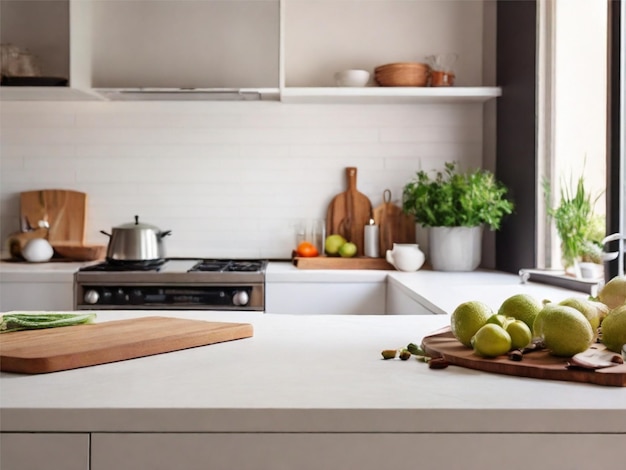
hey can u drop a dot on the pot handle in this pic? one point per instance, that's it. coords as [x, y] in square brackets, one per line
[105, 233]
[165, 234]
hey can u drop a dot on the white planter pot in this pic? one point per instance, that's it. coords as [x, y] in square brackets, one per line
[455, 248]
[591, 270]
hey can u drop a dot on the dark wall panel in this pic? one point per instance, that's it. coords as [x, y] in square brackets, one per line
[516, 145]
[616, 124]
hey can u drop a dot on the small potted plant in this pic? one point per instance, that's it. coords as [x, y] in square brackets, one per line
[454, 206]
[580, 230]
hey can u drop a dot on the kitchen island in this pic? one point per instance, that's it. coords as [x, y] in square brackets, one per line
[305, 392]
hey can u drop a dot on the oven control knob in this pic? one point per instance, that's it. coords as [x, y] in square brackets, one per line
[120, 297]
[106, 296]
[91, 297]
[136, 297]
[241, 297]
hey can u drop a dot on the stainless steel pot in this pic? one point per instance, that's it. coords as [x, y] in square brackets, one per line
[136, 242]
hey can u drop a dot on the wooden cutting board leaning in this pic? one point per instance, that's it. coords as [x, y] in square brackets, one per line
[64, 211]
[394, 225]
[349, 212]
[537, 364]
[71, 347]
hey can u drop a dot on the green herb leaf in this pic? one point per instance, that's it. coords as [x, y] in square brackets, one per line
[454, 199]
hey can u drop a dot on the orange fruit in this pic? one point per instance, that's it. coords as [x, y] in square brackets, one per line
[307, 250]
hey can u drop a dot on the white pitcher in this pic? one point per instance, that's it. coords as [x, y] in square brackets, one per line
[405, 257]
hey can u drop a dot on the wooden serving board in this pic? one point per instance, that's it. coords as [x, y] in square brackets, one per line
[394, 225]
[71, 347]
[349, 212]
[335, 262]
[537, 364]
[65, 211]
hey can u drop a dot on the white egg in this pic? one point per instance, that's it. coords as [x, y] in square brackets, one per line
[37, 250]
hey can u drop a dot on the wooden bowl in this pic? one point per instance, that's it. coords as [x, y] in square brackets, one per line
[402, 74]
[78, 252]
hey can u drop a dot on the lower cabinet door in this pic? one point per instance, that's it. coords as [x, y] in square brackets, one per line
[35, 451]
[400, 303]
[36, 296]
[329, 451]
[318, 298]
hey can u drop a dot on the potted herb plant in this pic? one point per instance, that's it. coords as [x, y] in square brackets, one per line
[454, 206]
[580, 230]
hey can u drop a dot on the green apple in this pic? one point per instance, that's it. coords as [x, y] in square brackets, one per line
[333, 243]
[347, 250]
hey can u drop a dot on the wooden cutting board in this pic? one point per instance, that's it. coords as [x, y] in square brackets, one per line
[71, 347]
[65, 211]
[394, 226]
[349, 212]
[332, 262]
[539, 364]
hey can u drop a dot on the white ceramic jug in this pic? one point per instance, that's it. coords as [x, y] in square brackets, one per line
[405, 257]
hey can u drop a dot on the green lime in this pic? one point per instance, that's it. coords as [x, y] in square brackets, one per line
[333, 243]
[521, 336]
[593, 311]
[347, 250]
[491, 341]
[614, 329]
[467, 319]
[521, 307]
[499, 320]
[613, 294]
[564, 330]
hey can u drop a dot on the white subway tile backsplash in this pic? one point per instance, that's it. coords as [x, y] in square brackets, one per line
[466, 133]
[161, 120]
[229, 179]
[171, 151]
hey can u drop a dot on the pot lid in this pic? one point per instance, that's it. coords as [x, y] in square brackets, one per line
[136, 225]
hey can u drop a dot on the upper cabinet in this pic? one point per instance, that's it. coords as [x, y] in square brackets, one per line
[139, 49]
[57, 36]
[244, 49]
[41, 28]
[35, 38]
[183, 44]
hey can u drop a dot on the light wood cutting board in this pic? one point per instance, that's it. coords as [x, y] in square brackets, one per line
[337, 262]
[71, 347]
[538, 365]
[394, 226]
[65, 211]
[349, 212]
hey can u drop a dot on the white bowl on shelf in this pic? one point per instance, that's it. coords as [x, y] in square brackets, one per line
[352, 78]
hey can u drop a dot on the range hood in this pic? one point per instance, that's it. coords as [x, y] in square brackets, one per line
[189, 94]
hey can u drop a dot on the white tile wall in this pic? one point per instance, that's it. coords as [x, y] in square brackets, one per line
[229, 179]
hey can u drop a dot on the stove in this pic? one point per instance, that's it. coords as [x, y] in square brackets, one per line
[172, 284]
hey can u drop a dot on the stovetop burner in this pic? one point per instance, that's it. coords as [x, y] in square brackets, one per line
[230, 266]
[179, 266]
[118, 265]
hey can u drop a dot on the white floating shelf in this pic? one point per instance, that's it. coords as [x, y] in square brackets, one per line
[389, 95]
[313, 95]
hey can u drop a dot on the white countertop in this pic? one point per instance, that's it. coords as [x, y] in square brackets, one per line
[438, 291]
[58, 271]
[302, 373]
